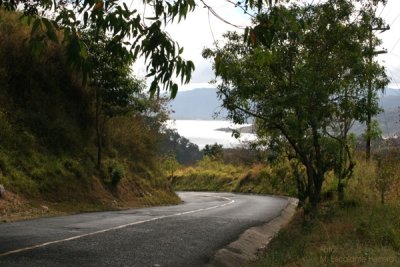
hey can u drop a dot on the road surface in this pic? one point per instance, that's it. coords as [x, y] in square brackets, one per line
[184, 235]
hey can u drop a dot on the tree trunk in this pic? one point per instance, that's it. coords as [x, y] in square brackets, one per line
[301, 186]
[340, 190]
[316, 194]
[99, 152]
[98, 133]
[340, 171]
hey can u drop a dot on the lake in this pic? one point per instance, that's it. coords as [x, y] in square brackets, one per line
[203, 132]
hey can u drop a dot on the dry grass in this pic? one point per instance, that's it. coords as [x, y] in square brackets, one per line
[359, 231]
[209, 175]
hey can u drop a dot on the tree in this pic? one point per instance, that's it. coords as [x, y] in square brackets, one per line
[171, 164]
[303, 69]
[185, 151]
[115, 90]
[215, 151]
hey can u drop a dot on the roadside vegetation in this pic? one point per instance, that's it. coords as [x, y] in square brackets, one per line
[358, 231]
[213, 175]
[67, 145]
[305, 74]
[78, 132]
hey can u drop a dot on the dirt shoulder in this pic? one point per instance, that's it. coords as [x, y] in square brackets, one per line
[14, 207]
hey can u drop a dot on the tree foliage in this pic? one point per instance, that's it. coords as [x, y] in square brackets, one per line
[128, 27]
[302, 75]
[184, 151]
[170, 164]
[115, 90]
[47, 125]
[214, 152]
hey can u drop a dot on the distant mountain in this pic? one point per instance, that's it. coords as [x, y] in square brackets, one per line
[391, 92]
[389, 120]
[203, 104]
[197, 104]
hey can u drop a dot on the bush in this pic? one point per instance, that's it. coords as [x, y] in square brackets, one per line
[116, 172]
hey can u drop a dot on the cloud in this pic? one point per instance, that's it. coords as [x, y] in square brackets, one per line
[200, 29]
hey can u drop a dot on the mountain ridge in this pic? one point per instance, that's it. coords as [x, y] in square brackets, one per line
[204, 104]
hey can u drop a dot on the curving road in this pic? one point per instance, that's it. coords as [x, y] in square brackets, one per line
[184, 235]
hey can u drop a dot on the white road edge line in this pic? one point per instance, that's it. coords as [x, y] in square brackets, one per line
[117, 227]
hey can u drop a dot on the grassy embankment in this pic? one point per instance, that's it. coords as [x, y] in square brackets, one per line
[359, 231]
[48, 141]
[212, 175]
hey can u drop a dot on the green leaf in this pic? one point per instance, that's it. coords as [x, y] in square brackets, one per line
[153, 88]
[135, 53]
[36, 24]
[26, 19]
[51, 34]
[37, 46]
[48, 24]
[260, 4]
[246, 34]
[85, 18]
[82, 50]
[174, 90]
[151, 73]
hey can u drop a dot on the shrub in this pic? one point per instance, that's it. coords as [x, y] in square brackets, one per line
[116, 172]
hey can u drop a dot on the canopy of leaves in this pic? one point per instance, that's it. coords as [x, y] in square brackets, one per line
[117, 91]
[183, 150]
[215, 151]
[303, 71]
[141, 32]
[127, 28]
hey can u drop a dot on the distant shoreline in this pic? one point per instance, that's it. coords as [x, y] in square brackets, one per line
[244, 129]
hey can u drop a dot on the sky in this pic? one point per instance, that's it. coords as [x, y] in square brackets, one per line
[391, 41]
[201, 28]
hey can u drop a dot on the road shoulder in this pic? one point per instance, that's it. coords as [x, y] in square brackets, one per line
[247, 247]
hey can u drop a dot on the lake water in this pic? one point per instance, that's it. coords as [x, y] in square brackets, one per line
[203, 132]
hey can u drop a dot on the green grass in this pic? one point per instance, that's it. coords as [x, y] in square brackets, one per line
[209, 175]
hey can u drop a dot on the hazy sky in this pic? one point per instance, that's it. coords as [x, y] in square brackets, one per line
[200, 29]
[391, 41]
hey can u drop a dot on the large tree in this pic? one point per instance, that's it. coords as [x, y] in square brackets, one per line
[303, 77]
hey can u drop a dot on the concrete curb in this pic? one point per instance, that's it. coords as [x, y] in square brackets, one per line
[246, 248]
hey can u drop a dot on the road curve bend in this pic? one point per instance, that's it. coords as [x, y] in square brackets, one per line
[183, 235]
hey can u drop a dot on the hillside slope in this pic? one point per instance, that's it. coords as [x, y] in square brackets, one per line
[48, 141]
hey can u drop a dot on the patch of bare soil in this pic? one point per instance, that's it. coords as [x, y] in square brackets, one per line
[16, 208]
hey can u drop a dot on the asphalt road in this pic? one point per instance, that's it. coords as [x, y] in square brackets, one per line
[184, 235]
